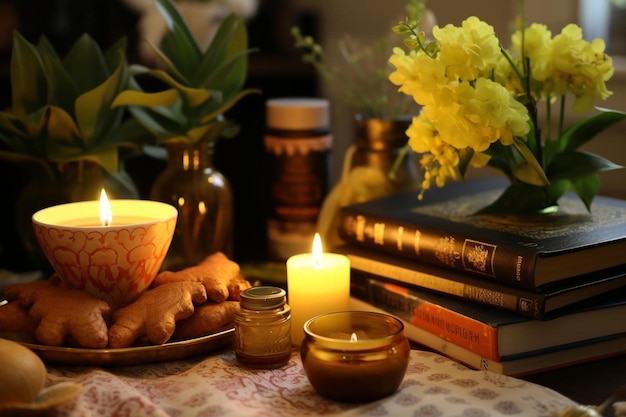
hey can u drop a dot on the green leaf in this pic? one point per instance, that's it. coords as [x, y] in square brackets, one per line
[586, 129]
[587, 188]
[520, 199]
[62, 89]
[179, 44]
[10, 124]
[93, 108]
[169, 65]
[139, 98]
[35, 124]
[129, 134]
[538, 177]
[85, 63]
[160, 121]
[61, 126]
[558, 188]
[465, 157]
[527, 172]
[575, 164]
[107, 158]
[28, 82]
[195, 96]
[116, 55]
[224, 65]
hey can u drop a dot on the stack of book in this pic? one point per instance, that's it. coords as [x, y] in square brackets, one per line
[511, 294]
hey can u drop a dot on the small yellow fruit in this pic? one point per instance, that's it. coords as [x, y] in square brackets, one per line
[22, 373]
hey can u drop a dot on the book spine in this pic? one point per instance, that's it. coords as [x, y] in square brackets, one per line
[437, 344]
[527, 303]
[505, 263]
[447, 324]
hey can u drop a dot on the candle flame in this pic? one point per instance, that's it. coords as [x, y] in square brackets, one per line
[106, 216]
[353, 337]
[317, 250]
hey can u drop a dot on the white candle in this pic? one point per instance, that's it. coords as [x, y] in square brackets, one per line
[317, 283]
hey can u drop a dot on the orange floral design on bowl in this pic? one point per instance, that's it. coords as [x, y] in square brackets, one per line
[115, 263]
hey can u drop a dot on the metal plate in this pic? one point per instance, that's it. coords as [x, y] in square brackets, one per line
[139, 355]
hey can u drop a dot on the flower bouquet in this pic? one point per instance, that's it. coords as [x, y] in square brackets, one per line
[480, 106]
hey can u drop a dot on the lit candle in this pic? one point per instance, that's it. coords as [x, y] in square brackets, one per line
[106, 215]
[317, 283]
[355, 356]
[112, 249]
[100, 214]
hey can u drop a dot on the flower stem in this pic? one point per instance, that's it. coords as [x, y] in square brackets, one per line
[562, 115]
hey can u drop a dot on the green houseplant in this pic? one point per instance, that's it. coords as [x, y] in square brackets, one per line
[61, 128]
[186, 116]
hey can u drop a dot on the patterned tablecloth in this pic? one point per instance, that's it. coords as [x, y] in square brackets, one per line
[218, 386]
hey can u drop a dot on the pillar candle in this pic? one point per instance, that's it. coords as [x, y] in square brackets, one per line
[317, 283]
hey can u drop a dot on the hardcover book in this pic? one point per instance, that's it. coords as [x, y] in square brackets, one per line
[524, 251]
[535, 304]
[515, 366]
[496, 334]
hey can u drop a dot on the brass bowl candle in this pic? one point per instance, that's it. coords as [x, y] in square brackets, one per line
[114, 259]
[355, 356]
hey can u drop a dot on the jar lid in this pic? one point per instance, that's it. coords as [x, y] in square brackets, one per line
[263, 298]
[297, 113]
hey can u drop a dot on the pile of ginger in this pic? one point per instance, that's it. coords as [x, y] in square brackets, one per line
[179, 305]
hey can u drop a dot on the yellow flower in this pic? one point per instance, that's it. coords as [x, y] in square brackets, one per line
[538, 50]
[538, 44]
[479, 106]
[478, 115]
[439, 160]
[469, 51]
[580, 67]
[417, 74]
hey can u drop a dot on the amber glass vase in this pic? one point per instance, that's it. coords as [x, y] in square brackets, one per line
[204, 199]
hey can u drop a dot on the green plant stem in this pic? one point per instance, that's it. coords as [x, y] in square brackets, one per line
[562, 116]
[548, 119]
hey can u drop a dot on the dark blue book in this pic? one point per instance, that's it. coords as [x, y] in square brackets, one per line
[531, 303]
[528, 252]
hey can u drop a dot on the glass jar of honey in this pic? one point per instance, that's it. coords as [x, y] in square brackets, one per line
[263, 328]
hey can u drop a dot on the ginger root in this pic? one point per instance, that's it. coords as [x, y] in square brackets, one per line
[155, 313]
[15, 319]
[219, 275]
[208, 318]
[63, 315]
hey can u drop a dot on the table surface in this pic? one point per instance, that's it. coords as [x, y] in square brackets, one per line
[586, 383]
[216, 385]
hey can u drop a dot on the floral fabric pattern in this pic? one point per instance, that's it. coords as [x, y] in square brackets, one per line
[218, 386]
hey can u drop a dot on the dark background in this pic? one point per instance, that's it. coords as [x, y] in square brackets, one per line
[275, 68]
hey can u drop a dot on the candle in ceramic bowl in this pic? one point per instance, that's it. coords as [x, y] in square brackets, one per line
[114, 254]
[317, 283]
[355, 356]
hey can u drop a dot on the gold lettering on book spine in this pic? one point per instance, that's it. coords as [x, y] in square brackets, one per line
[359, 229]
[416, 242]
[379, 233]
